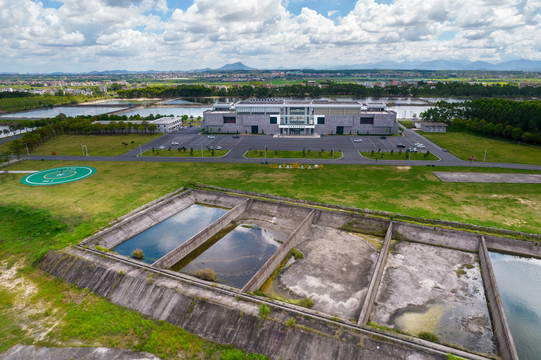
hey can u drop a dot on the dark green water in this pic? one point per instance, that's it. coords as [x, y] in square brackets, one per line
[236, 256]
[519, 282]
[170, 233]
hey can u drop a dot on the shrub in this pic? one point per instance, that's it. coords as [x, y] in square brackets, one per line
[306, 302]
[264, 311]
[425, 335]
[290, 322]
[296, 254]
[137, 254]
[206, 274]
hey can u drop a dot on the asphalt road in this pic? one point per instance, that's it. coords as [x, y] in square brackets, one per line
[191, 138]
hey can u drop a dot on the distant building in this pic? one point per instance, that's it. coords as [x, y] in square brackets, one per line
[300, 117]
[167, 124]
[431, 126]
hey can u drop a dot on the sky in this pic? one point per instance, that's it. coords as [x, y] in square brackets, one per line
[138, 35]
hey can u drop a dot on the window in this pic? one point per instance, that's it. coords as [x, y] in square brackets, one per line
[229, 120]
[321, 120]
[274, 119]
[367, 120]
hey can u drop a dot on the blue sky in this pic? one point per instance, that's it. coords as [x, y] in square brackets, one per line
[75, 35]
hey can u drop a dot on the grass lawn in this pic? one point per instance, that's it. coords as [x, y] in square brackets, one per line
[196, 153]
[408, 124]
[4, 147]
[281, 154]
[36, 219]
[398, 156]
[98, 145]
[465, 144]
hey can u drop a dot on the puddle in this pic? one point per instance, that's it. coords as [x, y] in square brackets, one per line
[234, 254]
[170, 233]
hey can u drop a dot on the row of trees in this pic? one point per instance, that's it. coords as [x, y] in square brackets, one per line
[75, 126]
[298, 90]
[517, 120]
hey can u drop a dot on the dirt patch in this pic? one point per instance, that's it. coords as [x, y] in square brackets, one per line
[403, 167]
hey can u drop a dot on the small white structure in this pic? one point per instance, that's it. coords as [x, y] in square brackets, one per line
[426, 126]
[167, 124]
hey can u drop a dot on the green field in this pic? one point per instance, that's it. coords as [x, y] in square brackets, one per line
[397, 156]
[465, 144]
[36, 219]
[188, 153]
[98, 145]
[281, 154]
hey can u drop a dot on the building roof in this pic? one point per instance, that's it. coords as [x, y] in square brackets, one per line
[432, 123]
[166, 120]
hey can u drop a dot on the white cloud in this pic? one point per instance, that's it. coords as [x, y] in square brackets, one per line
[145, 34]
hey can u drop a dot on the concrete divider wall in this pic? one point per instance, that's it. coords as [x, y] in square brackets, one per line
[177, 254]
[217, 199]
[514, 246]
[499, 320]
[461, 240]
[272, 263]
[117, 234]
[376, 278]
[222, 317]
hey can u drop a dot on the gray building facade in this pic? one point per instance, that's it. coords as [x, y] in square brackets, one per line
[300, 117]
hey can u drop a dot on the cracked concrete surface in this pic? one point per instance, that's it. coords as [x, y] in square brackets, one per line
[335, 272]
[435, 289]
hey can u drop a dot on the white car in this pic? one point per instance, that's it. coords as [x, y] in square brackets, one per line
[174, 143]
[211, 137]
[161, 147]
[218, 147]
[357, 140]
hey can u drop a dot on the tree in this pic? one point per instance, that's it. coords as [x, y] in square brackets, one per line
[516, 133]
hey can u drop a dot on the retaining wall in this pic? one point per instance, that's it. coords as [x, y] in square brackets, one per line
[226, 318]
[177, 254]
[376, 278]
[131, 226]
[268, 268]
[499, 320]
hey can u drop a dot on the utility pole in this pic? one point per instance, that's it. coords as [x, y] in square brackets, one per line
[485, 157]
[27, 152]
[140, 151]
[201, 150]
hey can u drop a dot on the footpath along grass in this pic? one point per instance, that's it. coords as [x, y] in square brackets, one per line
[98, 145]
[465, 144]
[399, 156]
[282, 154]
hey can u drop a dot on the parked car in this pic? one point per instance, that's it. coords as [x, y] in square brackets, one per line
[357, 140]
[211, 137]
[218, 147]
[236, 136]
[383, 137]
[444, 150]
[174, 143]
[161, 147]
[400, 146]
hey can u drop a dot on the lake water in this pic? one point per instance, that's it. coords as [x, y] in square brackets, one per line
[125, 102]
[170, 233]
[235, 257]
[70, 111]
[168, 110]
[519, 282]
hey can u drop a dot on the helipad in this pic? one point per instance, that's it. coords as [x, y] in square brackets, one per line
[59, 175]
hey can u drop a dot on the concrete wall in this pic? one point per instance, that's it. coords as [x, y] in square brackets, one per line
[513, 246]
[224, 317]
[499, 321]
[217, 199]
[268, 268]
[115, 235]
[177, 254]
[460, 240]
[376, 278]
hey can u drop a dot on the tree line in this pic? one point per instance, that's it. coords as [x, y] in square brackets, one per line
[82, 125]
[517, 120]
[452, 89]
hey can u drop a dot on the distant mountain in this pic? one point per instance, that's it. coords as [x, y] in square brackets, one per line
[235, 66]
[515, 65]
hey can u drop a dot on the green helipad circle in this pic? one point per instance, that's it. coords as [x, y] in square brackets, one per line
[59, 175]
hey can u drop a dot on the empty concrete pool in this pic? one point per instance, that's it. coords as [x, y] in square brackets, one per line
[236, 256]
[171, 232]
